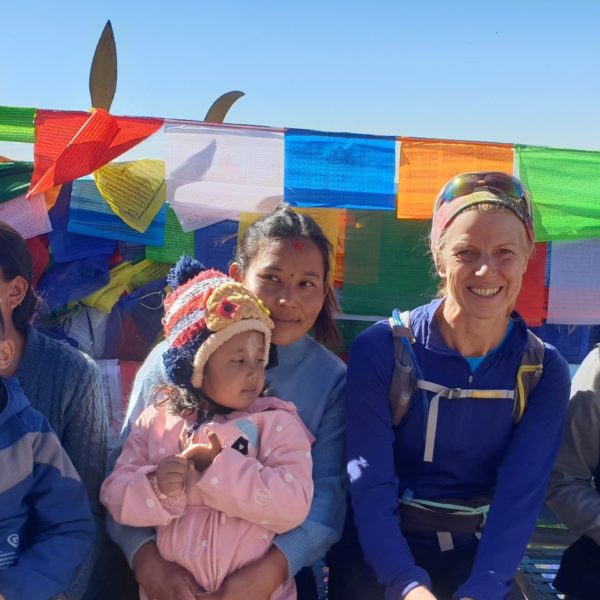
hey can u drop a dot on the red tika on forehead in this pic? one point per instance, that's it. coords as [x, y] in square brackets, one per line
[298, 246]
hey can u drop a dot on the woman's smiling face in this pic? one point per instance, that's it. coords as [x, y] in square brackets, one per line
[289, 277]
[482, 262]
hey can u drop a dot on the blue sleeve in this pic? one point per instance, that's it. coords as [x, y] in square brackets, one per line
[373, 480]
[130, 539]
[60, 527]
[521, 484]
[304, 545]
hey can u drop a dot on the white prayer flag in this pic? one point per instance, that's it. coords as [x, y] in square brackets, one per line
[215, 172]
[28, 217]
[574, 291]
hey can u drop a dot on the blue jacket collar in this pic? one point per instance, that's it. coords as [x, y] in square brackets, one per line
[425, 329]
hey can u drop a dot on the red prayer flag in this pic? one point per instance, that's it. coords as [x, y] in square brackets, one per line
[38, 249]
[532, 302]
[69, 145]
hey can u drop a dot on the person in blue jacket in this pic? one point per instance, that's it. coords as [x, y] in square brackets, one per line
[446, 500]
[285, 258]
[46, 527]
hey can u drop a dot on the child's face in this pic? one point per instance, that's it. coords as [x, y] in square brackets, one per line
[234, 375]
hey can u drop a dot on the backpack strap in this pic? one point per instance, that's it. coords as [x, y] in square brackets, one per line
[529, 373]
[405, 380]
[403, 377]
[441, 391]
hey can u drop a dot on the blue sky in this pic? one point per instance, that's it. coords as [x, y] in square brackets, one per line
[513, 71]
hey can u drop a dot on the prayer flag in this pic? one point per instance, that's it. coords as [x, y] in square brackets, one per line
[73, 144]
[214, 172]
[340, 170]
[565, 189]
[426, 165]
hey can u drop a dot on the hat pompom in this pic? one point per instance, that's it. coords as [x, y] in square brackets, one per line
[186, 268]
[178, 364]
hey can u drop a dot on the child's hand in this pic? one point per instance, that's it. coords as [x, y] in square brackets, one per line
[170, 475]
[202, 455]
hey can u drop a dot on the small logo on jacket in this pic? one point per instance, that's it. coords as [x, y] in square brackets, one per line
[13, 540]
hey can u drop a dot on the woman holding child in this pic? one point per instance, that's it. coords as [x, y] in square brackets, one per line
[448, 473]
[284, 258]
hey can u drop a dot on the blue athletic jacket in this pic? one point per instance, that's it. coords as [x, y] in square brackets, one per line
[46, 527]
[478, 451]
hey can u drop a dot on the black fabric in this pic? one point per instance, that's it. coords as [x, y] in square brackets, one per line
[306, 585]
[416, 519]
[579, 572]
[3, 396]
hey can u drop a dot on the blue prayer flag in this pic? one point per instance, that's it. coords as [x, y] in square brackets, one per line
[340, 170]
[215, 244]
[91, 215]
[72, 246]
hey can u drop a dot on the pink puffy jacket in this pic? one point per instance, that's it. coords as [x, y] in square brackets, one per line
[259, 485]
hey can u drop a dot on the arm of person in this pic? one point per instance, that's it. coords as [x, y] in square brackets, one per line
[571, 495]
[130, 492]
[275, 488]
[521, 484]
[371, 467]
[309, 542]
[85, 441]
[131, 539]
[60, 525]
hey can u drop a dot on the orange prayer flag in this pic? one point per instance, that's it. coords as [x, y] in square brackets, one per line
[338, 269]
[69, 145]
[426, 165]
[51, 196]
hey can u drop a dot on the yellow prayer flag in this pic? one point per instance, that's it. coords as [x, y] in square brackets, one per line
[134, 190]
[105, 298]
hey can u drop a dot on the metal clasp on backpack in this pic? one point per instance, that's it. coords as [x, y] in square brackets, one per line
[454, 393]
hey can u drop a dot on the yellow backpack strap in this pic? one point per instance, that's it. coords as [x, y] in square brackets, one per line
[529, 373]
[403, 382]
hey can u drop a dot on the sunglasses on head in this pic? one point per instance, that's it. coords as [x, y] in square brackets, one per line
[502, 183]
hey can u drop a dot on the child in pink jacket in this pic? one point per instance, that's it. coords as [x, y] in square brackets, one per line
[217, 467]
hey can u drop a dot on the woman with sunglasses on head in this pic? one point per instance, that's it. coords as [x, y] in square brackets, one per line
[446, 485]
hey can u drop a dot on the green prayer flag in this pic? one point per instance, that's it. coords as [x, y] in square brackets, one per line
[16, 124]
[349, 329]
[14, 179]
[565, 190]
[177, 242]
[387, 264]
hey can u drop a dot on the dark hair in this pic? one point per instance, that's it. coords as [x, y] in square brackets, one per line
[185, 400]
[15, 261]
[285, 224]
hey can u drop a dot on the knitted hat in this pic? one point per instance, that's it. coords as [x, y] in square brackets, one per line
[205, 309]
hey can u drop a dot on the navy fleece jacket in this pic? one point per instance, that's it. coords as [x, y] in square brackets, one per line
[478, 450]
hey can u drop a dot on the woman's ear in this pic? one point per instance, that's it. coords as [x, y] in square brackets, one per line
[7, 354]
[17, 288]
[235, 272]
